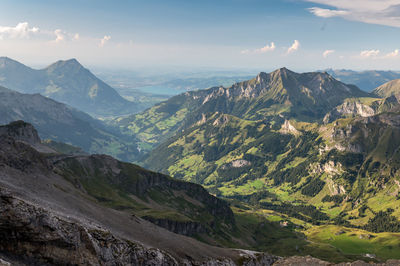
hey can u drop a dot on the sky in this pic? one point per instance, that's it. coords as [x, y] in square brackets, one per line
[303, 35]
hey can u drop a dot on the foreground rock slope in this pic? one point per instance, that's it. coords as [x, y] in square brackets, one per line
[47, 217]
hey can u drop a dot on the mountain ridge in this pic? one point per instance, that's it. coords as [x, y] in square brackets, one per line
[391, 88]
[306, 96]
[66, 81]
[61, 122]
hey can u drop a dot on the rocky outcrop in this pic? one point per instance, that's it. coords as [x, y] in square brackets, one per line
[335, 189]
[187, 228]
[240, 163]
[144, 181]
[19, 130]
[349, 108]
[288, 128]
[39, 237]
[331, 168]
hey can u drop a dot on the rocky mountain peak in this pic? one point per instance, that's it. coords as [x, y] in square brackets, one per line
[6, 62]
[21, 131]
[65, 65]
[262, 76]
[283, 71]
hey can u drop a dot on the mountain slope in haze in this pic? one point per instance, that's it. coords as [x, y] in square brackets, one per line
[306, 97]
[62, 123]
[67, 82]
[391, 88]
[366, 80]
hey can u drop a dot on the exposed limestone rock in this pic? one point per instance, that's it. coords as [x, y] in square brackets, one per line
[349, 108]
[202, 120]
[240, 163]
[335, 189]
[288, 128]
[329, 167]
[222, 120]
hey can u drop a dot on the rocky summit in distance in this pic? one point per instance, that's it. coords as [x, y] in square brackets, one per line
[284, 93]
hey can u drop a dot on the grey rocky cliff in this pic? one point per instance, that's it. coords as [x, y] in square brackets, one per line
[21, 131]
[39, 237]
[187, 228]
[349, 108]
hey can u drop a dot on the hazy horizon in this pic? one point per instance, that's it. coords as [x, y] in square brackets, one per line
[228, 34]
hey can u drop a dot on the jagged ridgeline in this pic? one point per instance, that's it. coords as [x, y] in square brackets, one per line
[305, 97]
[304, 146]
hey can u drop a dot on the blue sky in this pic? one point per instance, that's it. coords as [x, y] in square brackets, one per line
[249, 34]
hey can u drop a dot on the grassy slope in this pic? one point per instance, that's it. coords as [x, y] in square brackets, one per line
[284, 169]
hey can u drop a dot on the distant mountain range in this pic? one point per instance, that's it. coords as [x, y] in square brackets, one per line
[308, 148]
[62, 123]
[67, 82]
[283, 93]
[365, 80]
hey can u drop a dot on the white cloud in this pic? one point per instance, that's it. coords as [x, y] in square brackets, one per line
[380, 12]
[60, 35]
[327, 13]
[20, 31]
[76, 36]
[369, 53]
[105, 39]
[327, 53]
[295, 46]
[393, 54]
[267, 48]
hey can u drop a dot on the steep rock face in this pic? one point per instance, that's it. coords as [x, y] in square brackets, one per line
[21, 131]
[41, 237]
[183, 228]
[363, 135]
[349, 108]
[141, 182]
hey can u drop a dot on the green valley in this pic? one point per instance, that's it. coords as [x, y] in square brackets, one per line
[315, 166]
